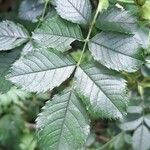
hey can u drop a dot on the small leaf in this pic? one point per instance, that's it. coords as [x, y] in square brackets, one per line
[117, 51]
[104, 90]
[63, 123]
[132, 125]
[117, 20]
[76, 11]
[6, 59]
[41, 70]
[12, 35]
[57, 33]
[141, 138]
[30, 10]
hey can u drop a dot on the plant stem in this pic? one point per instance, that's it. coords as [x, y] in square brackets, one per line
[43, 13]
[98, 10]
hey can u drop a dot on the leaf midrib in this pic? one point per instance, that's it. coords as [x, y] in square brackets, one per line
[102, 90]
[113, 50]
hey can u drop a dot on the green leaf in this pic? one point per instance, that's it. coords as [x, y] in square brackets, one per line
[30, 10]
[57, 33]
[105, 91]
[63, 123]
[76, 11]
[29, 47]
[141, 138]
[132, 125]
[12, 35]
[117, 20]
[117, 51]
[6, 59]
[41, 70]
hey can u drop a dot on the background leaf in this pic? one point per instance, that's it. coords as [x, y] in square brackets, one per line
[12, 35]
[6, 59]
[30, 10]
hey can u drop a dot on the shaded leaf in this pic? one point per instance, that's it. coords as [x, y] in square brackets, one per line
[6, 59]
[63, 123]
[30, 10]
[132, 125]
[117, 20]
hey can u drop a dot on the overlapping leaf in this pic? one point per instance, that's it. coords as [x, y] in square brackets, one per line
[57, 33]
[104, 90]
[132, 125]
[6, 60]
[141, 138]
[117, 51]
[30, 10]
[117, 20]
[63, 123]
[76, 11]
[12, 35]
[41, 70]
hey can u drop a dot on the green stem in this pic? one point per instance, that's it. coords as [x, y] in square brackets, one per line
[98, 10]
[43, 13]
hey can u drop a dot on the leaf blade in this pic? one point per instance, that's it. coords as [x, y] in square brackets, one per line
[117, 51]
[63, 123]
[47, 67]
[76, 11]
[12, 35]
[106, 91]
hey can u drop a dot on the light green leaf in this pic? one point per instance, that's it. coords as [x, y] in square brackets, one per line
[6, 60]
[30, 10]
[105, 91]
[63, 123]
[117, 51]
[132, 125]
[57, 33]
[117, 20]
[141, 138]
[12, 35]
[76, 11]
[41, 70]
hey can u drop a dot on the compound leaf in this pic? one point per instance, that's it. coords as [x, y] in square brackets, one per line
[76, 11]
[105, 91]
[63, 123]
[12, 35]
[41, 70]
